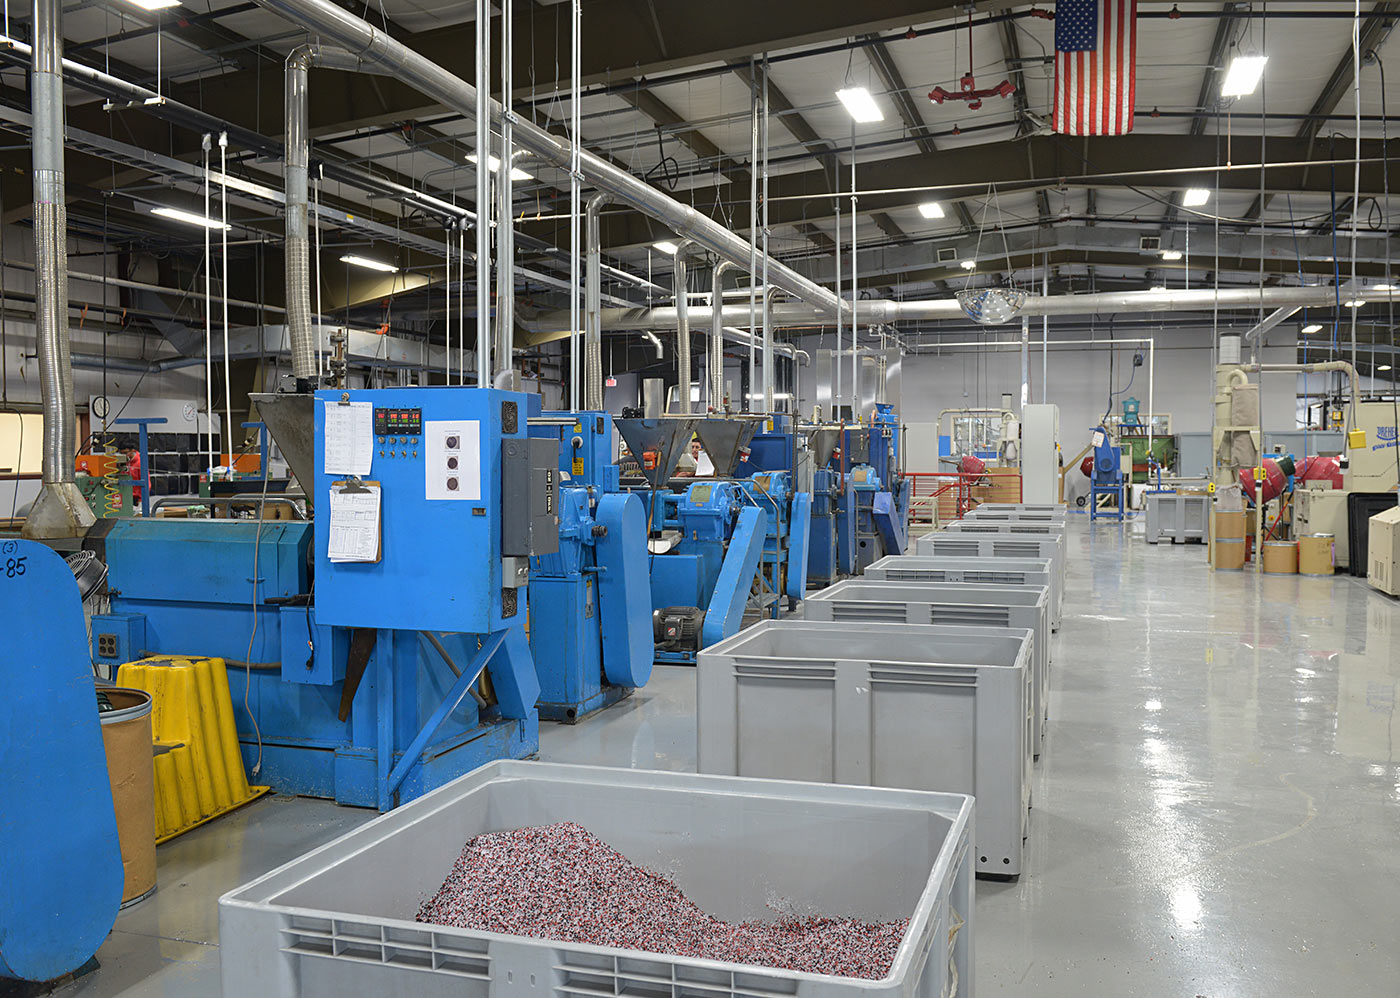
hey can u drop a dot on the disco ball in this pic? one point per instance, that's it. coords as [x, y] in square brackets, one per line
[991, 306]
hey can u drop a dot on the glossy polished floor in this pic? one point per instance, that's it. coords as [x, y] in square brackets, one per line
[1217, 809]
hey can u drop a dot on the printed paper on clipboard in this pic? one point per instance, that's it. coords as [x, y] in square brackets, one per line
[354, 534]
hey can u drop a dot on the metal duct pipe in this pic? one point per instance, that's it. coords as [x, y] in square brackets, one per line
[59, 510]
[296, 181]
[1319, 367]
[1269, 321]
[656, 342]
[791, 314]
[716, 361]
[324, 18]
[505, 221]
[593, 304]
[733, 334]
[681, 320]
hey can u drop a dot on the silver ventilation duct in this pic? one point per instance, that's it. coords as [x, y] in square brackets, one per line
[324, 18]
[59, 510]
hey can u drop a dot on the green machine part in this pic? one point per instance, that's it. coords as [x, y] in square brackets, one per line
[1163, 449]
[107, 497]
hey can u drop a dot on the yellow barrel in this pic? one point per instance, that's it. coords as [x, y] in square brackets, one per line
[126, 735]
[1229, 554]
[1229, 525]
[1280, 557]
[1316, 555]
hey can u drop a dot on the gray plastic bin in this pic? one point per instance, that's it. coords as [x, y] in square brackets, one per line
[1016, 515]
[981, 570]
[963, 545]
[1178, 516]
[894, 705]
[1023, 507]
[949, 603]
[338, 922]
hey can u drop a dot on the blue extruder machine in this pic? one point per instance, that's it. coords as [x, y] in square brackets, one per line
[384, 648]
[718, 546]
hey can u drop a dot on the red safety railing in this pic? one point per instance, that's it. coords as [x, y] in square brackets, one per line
[940, 496]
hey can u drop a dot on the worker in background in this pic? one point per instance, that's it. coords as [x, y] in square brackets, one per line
[133, 471]
[704, 467]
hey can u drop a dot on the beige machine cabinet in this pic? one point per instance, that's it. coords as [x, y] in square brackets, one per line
[1383, 552]
[1323, 511]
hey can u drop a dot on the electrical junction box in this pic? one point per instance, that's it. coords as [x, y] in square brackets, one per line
[529, 497]
[1383, 552]
[441, 564]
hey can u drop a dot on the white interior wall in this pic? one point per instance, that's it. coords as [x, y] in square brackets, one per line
[1078, 376]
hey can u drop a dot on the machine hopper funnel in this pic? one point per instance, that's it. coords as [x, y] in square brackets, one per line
[656, 443]
[291, 420]
[823, 441]
[726, 440]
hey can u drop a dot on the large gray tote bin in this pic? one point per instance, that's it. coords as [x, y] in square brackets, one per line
[338, 922]
[983, 571]
[942, 543]
[1022, 507]
[1178, 516]
[915, 706]
[949, 603]
[1016, 515]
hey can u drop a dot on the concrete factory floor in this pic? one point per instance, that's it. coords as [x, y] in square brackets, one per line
[1216, 811]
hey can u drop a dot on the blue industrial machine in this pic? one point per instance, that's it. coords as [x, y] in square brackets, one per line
[60, 864]
[874, 506]
[590, 601]
[706, 537]
[375, 678]
[786, 536]
[1106, 477]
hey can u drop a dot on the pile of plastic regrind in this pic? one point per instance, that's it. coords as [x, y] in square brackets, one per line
[559, 882]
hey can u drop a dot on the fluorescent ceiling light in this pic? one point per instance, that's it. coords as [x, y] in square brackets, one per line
[1385, 287]
[861, 105]
[1158, 287]
[1312, 327]
[1243, 76]
[931, 209]
[666, 246]
[189, 218]
[155, 4]
[785, 396]
[493, 163]
[369, 263]
[1171, 254]
[1353, 303]
[969, 265]
[1195, 197]
[1383, 367]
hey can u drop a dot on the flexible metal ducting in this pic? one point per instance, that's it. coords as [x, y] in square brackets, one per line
[323, 17]
[593, 304]
[296, 180]
[59, 510]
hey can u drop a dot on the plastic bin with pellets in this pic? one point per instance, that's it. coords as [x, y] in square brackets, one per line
[950, 603]
[947, 544]
[339, 921]
[915, 706]
[983, 571]
[198, 765]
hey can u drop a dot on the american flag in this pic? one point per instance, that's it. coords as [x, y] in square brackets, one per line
[1095, 66]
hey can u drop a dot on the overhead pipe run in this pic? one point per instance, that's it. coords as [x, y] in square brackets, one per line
[324, 18]
[715, 364]
[681, 320]
[59, 510]
[886, 312]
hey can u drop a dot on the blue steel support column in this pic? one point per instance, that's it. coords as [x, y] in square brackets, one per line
[143, 448]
